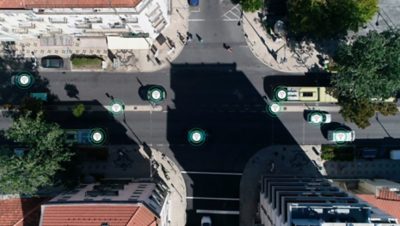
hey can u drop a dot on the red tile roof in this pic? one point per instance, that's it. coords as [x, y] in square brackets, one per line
[95, 214]
[385, 193]
[28, 4]
[20, 212]
[388, 206]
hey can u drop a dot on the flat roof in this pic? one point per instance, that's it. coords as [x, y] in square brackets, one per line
[29, 4]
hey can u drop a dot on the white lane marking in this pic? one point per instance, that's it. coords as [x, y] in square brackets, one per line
[225, 212]
[230, 20]
[213, 198]
[233, 11]
[212, 173]
[196, 20]
[195, 10]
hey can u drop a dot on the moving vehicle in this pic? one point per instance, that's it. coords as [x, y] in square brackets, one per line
[319, 117]
[206, 221]
[341, 135]
[395, 154]
[315, 94]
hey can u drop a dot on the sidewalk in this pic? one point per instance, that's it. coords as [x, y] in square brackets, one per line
[264, 48]
[128, 60]
[171, 175]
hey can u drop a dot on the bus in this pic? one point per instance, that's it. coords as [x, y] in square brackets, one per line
[312, 94]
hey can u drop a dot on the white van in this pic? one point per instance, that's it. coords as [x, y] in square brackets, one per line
[395, 154]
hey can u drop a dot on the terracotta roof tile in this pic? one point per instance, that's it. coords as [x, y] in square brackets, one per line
[388, 206]
[28, 4]
[20, 211]
[95, 214]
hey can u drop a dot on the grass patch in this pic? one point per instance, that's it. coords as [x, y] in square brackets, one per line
[337, 153]
[83, 61]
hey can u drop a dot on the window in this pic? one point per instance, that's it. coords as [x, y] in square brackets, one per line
[308, 94]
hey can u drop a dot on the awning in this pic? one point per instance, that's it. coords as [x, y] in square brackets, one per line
[114, 42]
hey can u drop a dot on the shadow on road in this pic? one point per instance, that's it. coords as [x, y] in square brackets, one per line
[222, 101]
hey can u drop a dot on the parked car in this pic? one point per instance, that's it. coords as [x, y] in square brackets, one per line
[319, 117]
[341, 136]
[369, 153]
[395, 154]
[194, 2]
[206, 221]
[52, 62]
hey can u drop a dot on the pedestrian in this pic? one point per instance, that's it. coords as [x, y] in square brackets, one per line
[199, 38]
[227, 47]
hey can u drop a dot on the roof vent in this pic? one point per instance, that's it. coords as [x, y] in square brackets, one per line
[105, 224]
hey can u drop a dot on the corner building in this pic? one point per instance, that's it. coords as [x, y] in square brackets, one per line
[291, 201]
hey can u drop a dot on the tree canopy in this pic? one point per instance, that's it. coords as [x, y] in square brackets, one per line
[251, 5]
[327, 18]
[45, 150]
[368, 73]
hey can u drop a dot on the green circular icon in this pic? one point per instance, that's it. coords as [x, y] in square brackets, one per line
[23, 80]
[281, 94]
[316, 118]
[156, 94]
[97, 136]
[196, 136]
[117, 107]
[341, 136]
[273, 109]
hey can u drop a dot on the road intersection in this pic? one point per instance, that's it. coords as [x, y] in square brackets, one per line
[209, 88]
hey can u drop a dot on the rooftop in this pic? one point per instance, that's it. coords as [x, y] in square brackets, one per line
[29, 4]
[97, 214]
[391, 207]
[20, 212]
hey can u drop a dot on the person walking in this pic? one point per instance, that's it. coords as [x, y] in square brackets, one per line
[227, 47]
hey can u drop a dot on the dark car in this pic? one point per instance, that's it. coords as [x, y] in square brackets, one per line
[52, 62]
[194, 2]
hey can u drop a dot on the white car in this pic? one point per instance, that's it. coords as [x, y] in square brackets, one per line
[319, 117]
[206, 221]
[341, 135]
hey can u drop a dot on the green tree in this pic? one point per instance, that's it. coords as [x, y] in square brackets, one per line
[326, 18]
[369, 68]
[251, 5]
[360, 111]
[45, 152]
[367, 74]
[78, 110]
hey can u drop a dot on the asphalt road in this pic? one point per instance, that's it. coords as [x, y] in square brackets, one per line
[207, 87]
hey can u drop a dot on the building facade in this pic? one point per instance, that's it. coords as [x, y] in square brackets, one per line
[294, 201]
[110, 203]
[25, 19]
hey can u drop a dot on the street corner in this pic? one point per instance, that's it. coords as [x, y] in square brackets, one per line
[269, 45]
[166, 169]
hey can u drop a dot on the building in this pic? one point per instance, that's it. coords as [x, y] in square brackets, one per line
[25, 19]
[382, 194]
[290, 201]
[110, 203]
[20, 211]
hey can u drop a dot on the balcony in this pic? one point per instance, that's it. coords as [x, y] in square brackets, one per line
[83, 25]
[26, 25]
[54, 30]
[20, 30]
[55, 20]
[117, 25]
[94, 20]
[35, 19]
